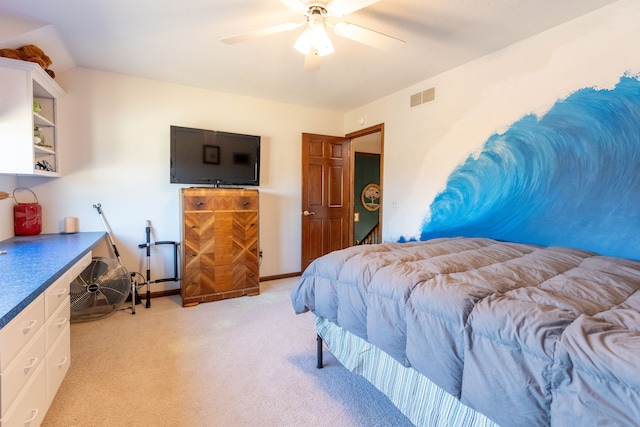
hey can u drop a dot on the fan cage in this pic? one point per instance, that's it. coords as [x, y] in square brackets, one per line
[100, 290]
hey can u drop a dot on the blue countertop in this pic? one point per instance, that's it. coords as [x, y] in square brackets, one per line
[32, 263]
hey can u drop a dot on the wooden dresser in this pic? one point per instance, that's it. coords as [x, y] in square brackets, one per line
[219, 244]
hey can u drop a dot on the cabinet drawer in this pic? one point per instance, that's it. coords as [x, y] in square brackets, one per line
[57, 322]
[30, 406]
[56, 294]
[79, 266]
[15, 335]
[58, 362]
[14, 378]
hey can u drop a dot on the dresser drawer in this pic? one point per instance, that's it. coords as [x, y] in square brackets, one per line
[219, 199]
[196, 203]
[244, 202]
[23, 367]
[15, 335]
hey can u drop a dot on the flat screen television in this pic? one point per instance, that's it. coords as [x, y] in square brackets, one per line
[200, 156]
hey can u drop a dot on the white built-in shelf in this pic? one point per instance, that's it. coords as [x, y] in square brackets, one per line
[21, 84]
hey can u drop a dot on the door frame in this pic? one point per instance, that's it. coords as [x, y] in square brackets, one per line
[351, 136]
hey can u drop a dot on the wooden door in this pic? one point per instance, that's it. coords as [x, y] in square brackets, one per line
[326, 195]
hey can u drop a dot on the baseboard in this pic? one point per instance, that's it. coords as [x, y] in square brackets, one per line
[169, 292]
[279, 276]
[164, 293]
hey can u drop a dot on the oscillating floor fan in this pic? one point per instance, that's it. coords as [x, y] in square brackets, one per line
[99, 290]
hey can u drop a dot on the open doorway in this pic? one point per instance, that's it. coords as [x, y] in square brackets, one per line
[366, 185]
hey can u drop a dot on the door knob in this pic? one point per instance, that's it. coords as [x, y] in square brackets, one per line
[307, 213]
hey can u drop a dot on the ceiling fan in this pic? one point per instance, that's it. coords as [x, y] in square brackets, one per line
[314, 41]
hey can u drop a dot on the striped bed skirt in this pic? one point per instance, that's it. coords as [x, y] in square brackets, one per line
[420, 400]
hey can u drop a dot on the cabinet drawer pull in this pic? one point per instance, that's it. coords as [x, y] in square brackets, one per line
[62, 292]
[192, 227]
[62, 322]
[199, 203]
[62, 362]
[34, 360]
[34, 415]
[193, 255]
[27, 329]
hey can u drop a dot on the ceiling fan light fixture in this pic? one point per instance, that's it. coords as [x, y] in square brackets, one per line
[314, 40]
[304, 42]
[314, 37]
[320, 40]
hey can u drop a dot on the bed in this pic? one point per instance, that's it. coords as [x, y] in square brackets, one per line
[476, 331]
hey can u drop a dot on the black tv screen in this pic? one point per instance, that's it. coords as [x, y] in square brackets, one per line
[200, 156]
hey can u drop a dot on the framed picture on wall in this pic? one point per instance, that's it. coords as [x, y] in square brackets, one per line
[370, 197]
[211, 154]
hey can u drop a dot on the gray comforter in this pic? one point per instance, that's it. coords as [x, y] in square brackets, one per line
[526, 335]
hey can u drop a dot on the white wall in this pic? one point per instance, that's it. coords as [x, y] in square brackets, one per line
[424, 144]
[114, 133]
[7, 184]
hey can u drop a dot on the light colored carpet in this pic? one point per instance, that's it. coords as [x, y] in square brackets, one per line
[246, 361]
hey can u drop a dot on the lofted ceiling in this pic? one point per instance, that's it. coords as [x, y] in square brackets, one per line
[179, 42]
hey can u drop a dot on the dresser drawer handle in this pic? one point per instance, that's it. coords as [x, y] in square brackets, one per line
[192, 227]
[34, 415]
[62, 363]
[199, 203]
[34, 360]
[62, 292]
[27, 329]
[62, 322]
[193, 255]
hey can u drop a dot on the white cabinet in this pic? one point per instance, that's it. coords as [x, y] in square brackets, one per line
[35, 353]
[29, 135]
[22, 349]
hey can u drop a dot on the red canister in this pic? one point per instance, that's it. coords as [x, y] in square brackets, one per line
[27, 217]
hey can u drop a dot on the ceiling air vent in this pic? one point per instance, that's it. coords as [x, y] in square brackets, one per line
[419, 98]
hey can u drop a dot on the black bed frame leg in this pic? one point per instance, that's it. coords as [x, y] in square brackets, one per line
[319, 362]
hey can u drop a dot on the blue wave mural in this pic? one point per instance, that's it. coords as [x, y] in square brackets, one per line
[569, 178]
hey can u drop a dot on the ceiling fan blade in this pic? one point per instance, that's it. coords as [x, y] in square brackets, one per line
[345, 7]
[366, 36]
[312, 61]
[261, 33]
[296, 5]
